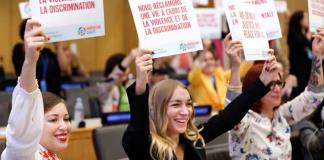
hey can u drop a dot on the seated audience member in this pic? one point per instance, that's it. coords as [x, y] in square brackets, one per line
[48, 67]
[208, 81]
[163, 63]
[264, 132]
[39, 124]
[70, 63]
[162, 119]
[112, 93]
[157, 75]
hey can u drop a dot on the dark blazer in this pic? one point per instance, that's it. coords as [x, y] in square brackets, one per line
[137, 138]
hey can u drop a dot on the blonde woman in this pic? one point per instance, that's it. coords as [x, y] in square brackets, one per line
[162, 121]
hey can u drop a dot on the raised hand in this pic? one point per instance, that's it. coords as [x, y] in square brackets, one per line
[270, 70]
[318, 43]
[34, 40]
[144, 65]
[233, 49]
[316, 82]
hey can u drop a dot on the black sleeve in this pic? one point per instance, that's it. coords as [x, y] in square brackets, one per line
[136, 139]
[234, 112]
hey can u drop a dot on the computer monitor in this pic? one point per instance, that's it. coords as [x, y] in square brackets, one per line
[112, 118]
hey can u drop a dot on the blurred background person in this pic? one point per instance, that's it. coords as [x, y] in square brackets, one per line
[208, 81]
[48, 70]
[300, 50]
[70, 65]
[112, 92]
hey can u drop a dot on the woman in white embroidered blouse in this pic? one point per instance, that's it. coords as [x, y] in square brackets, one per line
[36, 128]
[264, 132]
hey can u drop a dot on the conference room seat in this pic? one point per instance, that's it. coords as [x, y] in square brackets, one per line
[219, 152]
[107, 142]
[5, 101]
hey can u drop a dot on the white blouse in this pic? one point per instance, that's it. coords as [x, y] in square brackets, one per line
[25, 125]
[257, 137]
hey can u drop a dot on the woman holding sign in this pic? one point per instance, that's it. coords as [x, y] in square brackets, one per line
[162, 121]
[39, 124]
[264, 132]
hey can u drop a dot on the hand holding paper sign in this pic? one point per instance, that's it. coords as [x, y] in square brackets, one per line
[35, 40]
[270, 71]
[67, 20]
[318, 43]
[246, 25]
[233, 48]
[144, 65]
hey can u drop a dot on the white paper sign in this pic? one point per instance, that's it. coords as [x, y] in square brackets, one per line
[218, 3]
[281, 6]
[231, 12]
[167, 27]
[69, 19]
[316, 14]
[201, 2]
[245, 25]
[209, 21]
[24, 10]
[270, 20]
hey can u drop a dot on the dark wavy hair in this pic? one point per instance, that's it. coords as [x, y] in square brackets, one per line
[295, 26]
[112, 62]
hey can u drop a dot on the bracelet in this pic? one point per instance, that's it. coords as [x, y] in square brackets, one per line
[121, 67]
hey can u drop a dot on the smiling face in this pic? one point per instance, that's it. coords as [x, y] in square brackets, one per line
[56, 130]
[179, 111]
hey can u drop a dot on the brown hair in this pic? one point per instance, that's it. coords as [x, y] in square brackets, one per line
[50, 100]
[162, 144]
[251, 76]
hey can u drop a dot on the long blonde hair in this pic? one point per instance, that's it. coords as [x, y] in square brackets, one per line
[162, 146]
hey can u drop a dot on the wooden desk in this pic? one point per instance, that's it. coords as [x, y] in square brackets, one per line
[80, 145]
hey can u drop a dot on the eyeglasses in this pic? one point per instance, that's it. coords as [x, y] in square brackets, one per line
[279, 83]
